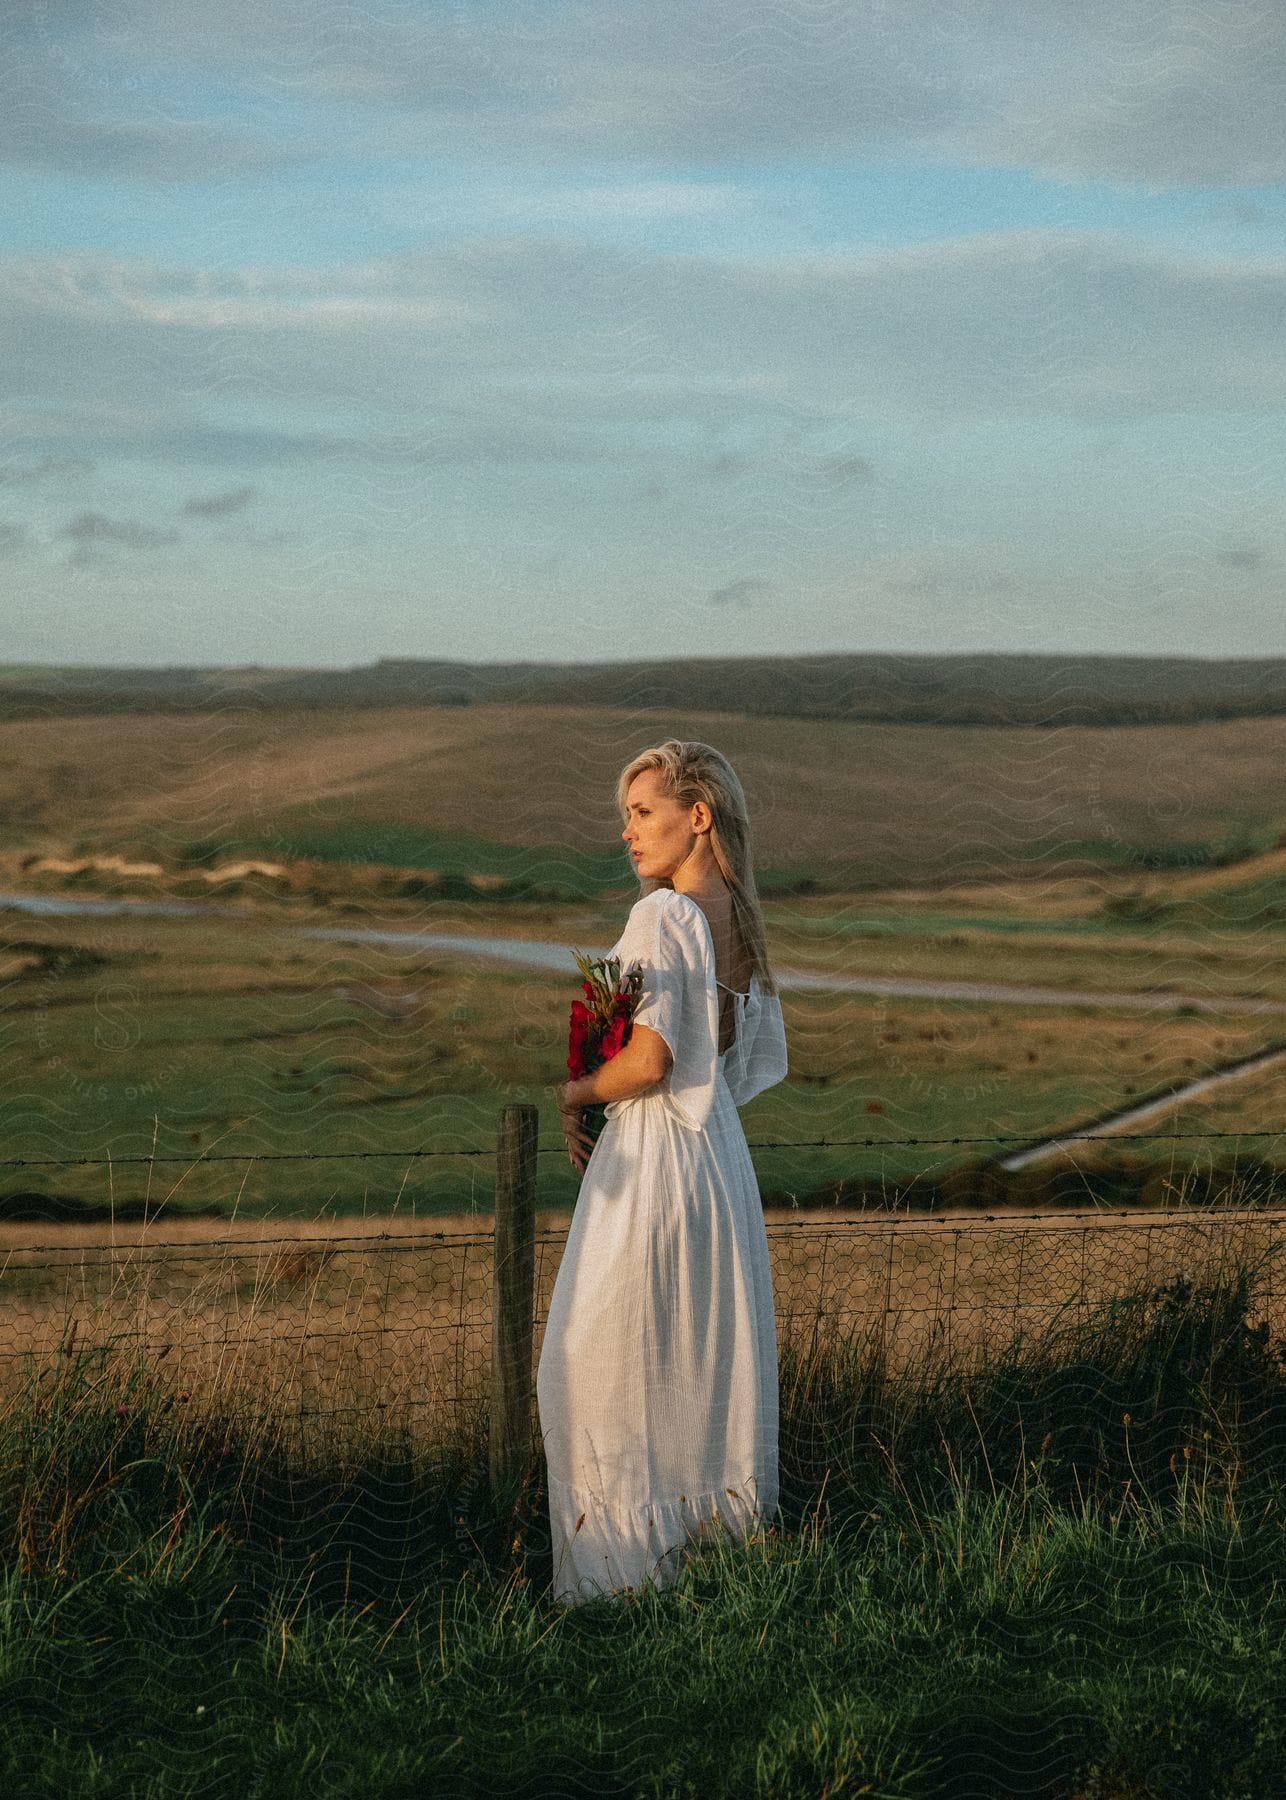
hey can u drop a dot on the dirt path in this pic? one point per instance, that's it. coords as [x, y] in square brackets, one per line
[535, 953]
[1149, 1109]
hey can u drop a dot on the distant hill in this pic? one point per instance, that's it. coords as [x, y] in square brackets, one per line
[988, 689]
[524, 795]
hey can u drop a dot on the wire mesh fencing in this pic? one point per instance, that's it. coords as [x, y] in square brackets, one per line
[295, 1328]
[429, 1327]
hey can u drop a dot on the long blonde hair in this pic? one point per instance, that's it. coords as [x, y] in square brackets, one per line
[691, 772]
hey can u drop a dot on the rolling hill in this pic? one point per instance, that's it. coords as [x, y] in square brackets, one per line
[984, 689]
[525, 792]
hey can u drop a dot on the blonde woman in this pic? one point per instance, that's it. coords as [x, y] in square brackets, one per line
[657, 1384]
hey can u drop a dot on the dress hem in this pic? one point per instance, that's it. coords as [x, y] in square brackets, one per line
[602, 1551]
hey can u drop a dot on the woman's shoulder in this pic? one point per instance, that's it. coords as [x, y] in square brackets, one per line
[648, 911]
[641, 920]
[664, 900]
[659, 899]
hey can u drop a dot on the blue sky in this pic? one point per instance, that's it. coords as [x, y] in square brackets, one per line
[574, 331]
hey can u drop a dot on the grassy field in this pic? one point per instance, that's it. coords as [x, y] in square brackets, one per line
[1031, 1519]
[528, 791]
[1120, 859]
[1050, 1569]
[195, 1038]
[270, 1317]
[209, 1037]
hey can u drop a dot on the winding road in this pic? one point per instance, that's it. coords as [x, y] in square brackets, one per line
[534, 954]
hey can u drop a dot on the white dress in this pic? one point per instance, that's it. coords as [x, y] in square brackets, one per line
[657, 1382]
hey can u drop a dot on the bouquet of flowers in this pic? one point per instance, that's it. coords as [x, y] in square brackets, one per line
[600, 1023]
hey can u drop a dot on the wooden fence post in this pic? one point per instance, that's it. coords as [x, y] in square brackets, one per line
[513, 1292]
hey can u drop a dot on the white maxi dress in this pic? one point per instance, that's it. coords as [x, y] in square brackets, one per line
[657, 1382]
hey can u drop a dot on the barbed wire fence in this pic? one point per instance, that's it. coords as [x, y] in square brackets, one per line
[429, 1328]
[240, 1156]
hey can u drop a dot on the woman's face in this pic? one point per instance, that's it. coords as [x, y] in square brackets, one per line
[659, 831]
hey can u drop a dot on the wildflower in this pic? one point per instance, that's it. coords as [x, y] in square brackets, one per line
[122, 1410]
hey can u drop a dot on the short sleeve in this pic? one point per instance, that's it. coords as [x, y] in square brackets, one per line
[668, 937]
[757, 1059]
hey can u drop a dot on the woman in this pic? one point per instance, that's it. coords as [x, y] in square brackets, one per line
[657, 1383]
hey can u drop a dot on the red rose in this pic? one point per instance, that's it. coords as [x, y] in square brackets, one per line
[599, 1030]
[615, 1035]
[579, 1034]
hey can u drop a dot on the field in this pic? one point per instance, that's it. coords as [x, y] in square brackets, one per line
[297, 1321]
[849, 805]
[1049, 1570]
[1032, 1430]
[198, 1039]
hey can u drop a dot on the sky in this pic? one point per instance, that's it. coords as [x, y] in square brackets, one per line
[593, 330]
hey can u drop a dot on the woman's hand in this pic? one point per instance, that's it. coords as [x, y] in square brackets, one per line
[578, 1140]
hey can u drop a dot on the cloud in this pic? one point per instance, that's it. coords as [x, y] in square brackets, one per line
[89, 531]
[564, 352]
[584, 203]
[216, 506]
[1249, 212]
[846, 470]
[94, 289]
[1125, 90]
[920, 581]
[81, 96]
[958, 567]
[748, 592]
[168, 435]
[729, 465]
[47, 468]
[1240, 558]
[15, 540]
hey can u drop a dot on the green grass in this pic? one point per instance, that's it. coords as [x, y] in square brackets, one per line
[1247, 906]
[402, 845]
[205, 1038]
[1232, 843]
[545, 872]
[1055, 1572]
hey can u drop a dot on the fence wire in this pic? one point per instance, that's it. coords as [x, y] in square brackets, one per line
[1096, 1133]
[397, 1324]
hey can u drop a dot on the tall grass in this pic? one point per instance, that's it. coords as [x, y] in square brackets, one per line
[1047, 1568]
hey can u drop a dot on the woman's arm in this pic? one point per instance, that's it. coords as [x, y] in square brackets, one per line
[643, 1062]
